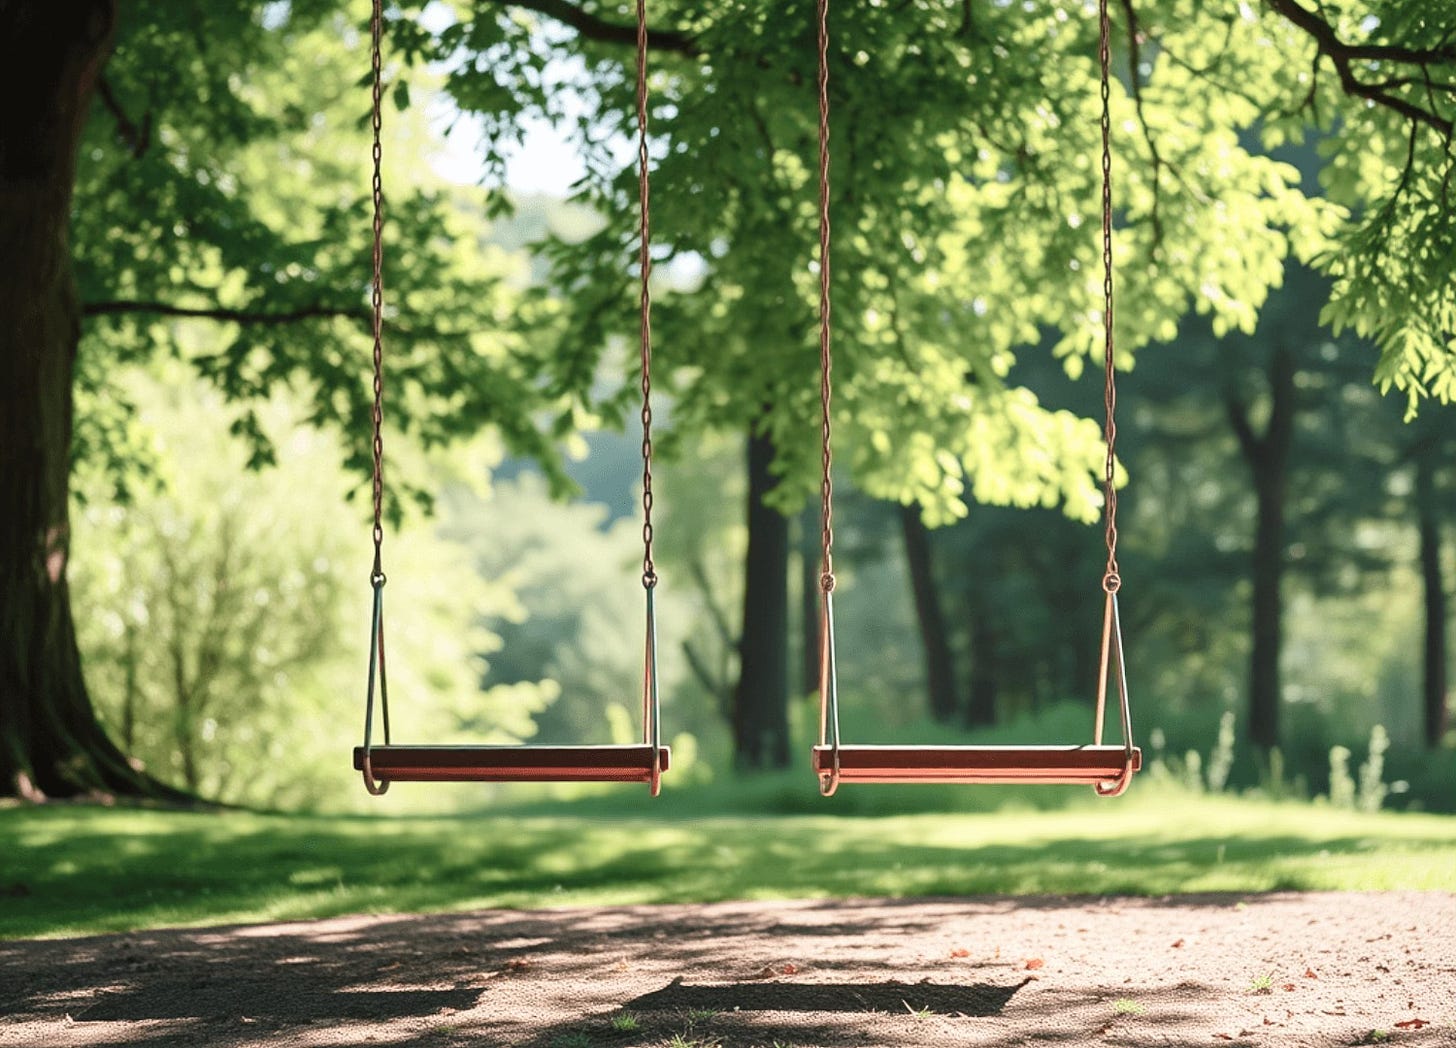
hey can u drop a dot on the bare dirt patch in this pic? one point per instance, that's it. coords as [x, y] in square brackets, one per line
[1306, 970]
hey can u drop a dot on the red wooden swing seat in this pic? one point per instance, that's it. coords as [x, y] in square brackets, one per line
[1027, 765]
[395, 763]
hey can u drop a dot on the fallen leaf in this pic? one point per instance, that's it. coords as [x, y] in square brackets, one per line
[960, 953]
[1224, 1036]
[1411, 1024]
[1309, 974]
[789, 969]
[1288, 986]
[1034, 963]
[1178, 944]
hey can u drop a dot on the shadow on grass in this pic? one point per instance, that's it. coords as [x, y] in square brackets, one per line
[175, 869]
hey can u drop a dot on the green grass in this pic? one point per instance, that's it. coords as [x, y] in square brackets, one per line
[70, 870]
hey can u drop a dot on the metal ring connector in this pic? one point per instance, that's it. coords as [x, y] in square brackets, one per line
[826, 582]
[377, 579]
[1111, 582]
[376, 787]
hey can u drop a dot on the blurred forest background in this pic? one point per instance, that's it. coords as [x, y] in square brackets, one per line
[1287, 536]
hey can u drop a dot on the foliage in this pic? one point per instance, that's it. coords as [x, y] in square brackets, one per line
[1373, 791]
[225, 607]
[239, 176]
[966, 212]
[175, 868]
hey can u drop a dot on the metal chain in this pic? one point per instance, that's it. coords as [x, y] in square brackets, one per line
[377, 298]
[644, 263]
[826, 484]
[1111, 579]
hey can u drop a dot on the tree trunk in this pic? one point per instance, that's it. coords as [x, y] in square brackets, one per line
[1267, 457]
[51, 744]
[809, 565]
[1434, 682]
[981, 709]
[760, 704]
[940, 679]
[1267, 615]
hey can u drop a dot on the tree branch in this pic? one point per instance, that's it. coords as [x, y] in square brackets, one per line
[592, 27]
[1238, 417]
[135, 138]
[1135, 78]
[235, 316]
[1342, 55]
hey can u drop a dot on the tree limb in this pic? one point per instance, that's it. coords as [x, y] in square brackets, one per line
[1342, 55]
[592, 27]
[135, 137]
[1238, 417]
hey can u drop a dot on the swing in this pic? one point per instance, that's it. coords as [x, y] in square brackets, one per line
[387, 763]
[1108, 769]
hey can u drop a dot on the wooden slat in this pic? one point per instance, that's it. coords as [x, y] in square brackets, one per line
[1070, 765]
[511, 763]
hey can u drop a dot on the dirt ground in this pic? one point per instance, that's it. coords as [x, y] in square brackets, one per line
[1288, 969]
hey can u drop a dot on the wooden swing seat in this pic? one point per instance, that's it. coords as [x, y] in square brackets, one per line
[1007, 765]
[396, 763]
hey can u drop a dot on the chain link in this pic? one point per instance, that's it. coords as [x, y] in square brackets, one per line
[376, 26]
[826, 483]
[1111, 579]
[644, 263]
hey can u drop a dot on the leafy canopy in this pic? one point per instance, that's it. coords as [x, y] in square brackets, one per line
[965, 208]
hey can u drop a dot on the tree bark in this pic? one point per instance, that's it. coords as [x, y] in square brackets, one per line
[809, 565]
[940, 679]
[1434, 682]
[760, 703]
[981, 707]
[1267, 457]
[51, 743]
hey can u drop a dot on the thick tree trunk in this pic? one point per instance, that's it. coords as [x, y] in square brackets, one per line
[1433, 690]
[50, 741]
[940, 679]
[760, 704]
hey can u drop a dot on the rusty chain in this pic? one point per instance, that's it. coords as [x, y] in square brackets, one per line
[644, 264]
[376, 25]
[1111, 579]
[826, 484]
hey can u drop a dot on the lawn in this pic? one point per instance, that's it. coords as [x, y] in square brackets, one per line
[72, 870]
